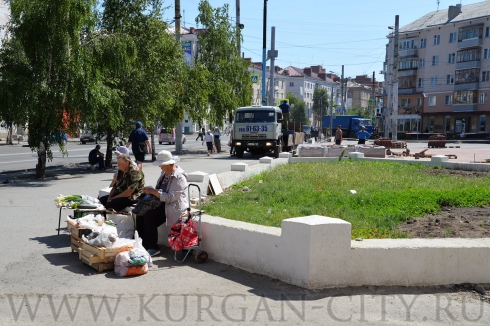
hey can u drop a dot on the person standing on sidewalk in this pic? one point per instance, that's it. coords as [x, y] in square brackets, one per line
[209, 141]
[362, 135]
[232, 146]
[140, 144]
[217, 139]
[338, 135]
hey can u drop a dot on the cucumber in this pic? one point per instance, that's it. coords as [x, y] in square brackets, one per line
[87, 206]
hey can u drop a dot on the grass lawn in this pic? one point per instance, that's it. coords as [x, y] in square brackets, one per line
[386, 194]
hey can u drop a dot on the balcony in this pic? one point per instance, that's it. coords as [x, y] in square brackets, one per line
[407, 72]
[466, 87]
[408, 53]
[470, 42]
[406, 91]
[464, 107]
[468, 65]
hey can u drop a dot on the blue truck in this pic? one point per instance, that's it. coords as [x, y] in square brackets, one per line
[350, 124]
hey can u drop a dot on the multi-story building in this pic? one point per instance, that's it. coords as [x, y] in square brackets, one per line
[279, 84]
[303, 82]
[444, 71]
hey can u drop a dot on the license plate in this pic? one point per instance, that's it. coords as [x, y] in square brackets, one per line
[253, 144]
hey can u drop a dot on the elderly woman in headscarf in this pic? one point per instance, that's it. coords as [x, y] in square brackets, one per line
[171, 189]
[128, 186]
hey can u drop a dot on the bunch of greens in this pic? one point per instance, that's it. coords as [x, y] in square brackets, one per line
[70, 201]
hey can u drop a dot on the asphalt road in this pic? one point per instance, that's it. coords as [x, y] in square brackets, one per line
[43, 283]
[19, 156]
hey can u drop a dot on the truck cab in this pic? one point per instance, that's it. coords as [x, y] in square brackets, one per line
[257, 129]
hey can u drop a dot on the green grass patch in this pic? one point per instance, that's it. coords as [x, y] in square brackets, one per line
[387, 194]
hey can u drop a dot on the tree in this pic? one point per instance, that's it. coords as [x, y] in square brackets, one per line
[298, 113]
[320, 103]
[229, 83]
[148, 90]
[365, 112]
[44, 59]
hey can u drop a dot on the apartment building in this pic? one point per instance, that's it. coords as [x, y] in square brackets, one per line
[303, 82]
[444, 71]
[280, 81]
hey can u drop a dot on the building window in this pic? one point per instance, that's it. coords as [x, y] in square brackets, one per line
[468, 32]
[450, 79]
[437, 39]
[465, 97]
[485, 76]
[420, 82]
[405, 102]
[407, 63]
[432, 101]
[486, 54]
[421, 62]
[483, 98]
[467, 76]
[420, 101]
[448, 100]
[423, 43]
[487, 31]
[451, 58]
[468, 55]
[433, 81]
[406, 44]
[291, 84]
[435, 60]
[452, 37]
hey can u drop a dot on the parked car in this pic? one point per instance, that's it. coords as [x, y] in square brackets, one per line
[168, 136]
[86, 137]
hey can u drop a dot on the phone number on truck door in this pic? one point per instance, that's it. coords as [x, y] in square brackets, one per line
[262, 128]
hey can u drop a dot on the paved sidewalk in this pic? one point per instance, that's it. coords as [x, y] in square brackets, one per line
[43, 283]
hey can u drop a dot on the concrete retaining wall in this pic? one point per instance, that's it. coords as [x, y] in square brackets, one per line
[317, 252]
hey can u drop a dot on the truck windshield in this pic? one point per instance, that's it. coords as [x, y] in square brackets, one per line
[365, 122]
[255, 116]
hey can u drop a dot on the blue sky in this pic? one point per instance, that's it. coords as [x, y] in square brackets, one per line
[321, 32]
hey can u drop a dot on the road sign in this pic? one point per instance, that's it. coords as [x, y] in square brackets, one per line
[255, 79]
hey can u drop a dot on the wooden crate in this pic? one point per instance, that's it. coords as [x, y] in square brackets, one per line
[75, 244]
[398, 144]
[100, 258]
[77, 232]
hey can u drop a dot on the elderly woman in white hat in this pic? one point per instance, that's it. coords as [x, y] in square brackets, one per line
[171, 188]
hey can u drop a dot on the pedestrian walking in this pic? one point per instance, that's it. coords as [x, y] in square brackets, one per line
[202, 133]
[362, 135]
[140, 144]
[338, 135]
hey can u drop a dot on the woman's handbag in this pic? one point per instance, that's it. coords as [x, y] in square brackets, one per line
[146, 203]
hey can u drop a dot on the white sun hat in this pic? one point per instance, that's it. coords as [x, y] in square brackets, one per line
[165, 158]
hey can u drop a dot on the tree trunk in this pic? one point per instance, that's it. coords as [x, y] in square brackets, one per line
[41, 162]
[108, 154]
[9, 133]
[153, 154]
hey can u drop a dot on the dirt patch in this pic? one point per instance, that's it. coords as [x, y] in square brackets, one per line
[451, 222]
